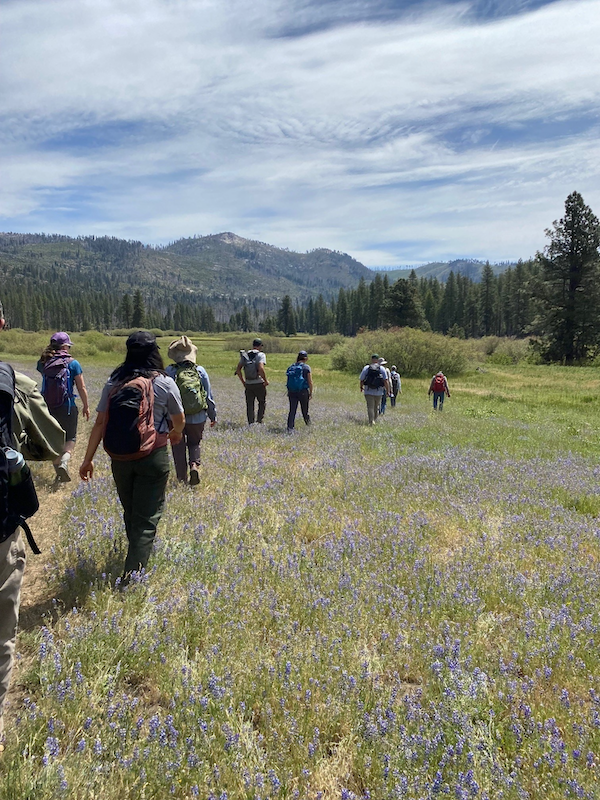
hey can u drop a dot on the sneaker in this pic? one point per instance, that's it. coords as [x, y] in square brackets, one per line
[194, 476]
[62, 474]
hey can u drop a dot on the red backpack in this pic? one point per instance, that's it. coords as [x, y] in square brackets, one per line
[129, 432]
[439, 383]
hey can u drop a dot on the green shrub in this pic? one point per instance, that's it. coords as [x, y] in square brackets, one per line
[415, 353]
[284, 344]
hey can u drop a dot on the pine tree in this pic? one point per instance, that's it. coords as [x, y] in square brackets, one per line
[126, 311]
[570, 284]
[138, 317]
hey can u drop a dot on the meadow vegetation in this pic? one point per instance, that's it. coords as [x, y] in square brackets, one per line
[409, 611]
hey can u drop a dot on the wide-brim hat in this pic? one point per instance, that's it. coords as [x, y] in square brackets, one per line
[182, 349]
[382, 361]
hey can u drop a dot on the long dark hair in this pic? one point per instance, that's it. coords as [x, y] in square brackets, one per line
[139, 361]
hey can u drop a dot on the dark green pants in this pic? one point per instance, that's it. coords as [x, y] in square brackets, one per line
[141, 487]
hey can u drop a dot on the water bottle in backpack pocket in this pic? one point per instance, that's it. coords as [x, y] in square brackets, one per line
[18, 497]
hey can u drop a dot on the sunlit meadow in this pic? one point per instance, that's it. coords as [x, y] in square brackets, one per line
[409, 611]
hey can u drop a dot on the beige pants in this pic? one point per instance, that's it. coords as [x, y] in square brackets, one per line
[12, 566]
[373, 403]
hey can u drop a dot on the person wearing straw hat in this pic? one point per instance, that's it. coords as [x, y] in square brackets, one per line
[198, 404]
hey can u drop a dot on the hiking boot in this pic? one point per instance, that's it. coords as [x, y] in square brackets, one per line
[194, 475]
[62, 474]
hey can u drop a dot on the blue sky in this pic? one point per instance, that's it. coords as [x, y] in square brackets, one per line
[398, 131]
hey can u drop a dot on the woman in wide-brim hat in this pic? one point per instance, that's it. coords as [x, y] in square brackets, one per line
[198, 403]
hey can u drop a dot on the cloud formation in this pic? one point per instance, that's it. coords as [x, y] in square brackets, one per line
[396, 134]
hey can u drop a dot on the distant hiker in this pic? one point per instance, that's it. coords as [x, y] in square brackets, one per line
[300, 389]
[373, 383]
[26, 429]
[194, 385]
[252, 364]
[439, 388]
[395, 384]
[137, 403]
[382, 363]
[61, 373]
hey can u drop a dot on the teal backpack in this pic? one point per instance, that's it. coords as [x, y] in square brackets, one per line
[193, 393]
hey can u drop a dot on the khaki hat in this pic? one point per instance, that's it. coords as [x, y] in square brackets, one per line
[182, 349]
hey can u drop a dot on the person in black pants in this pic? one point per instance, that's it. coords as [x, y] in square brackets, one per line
[300, 389]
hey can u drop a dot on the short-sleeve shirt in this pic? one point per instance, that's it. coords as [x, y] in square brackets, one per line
[167, 400]
[369, 389]
[74, 371]
[259, 358]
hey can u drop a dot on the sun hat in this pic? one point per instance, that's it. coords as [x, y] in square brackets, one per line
[394, 366]
[302, 354]
[182, 349]
[60, 339]
[141, 340]
[382, 361]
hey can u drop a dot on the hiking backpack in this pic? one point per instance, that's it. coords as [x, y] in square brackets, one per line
[374, 379]
[296, 381]
[249, 364]
[191, 388]
[439, 383]
[18, 498]
[129, 432]
[56, 380]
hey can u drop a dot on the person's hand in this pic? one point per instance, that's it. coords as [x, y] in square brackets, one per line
[86, 412]
[213, 423]
[175, 436]
[86, 470]
[266, 383]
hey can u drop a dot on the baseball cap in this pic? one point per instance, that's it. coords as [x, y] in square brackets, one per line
[141, 340]
[257, 342]
[61, 339]
[302, 354]
[374, 356]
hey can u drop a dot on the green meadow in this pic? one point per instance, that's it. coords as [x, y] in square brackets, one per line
[404, 611]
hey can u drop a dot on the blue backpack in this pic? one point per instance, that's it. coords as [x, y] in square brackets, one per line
[296, 381]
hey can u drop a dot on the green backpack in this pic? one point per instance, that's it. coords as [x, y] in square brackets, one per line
[193, 393]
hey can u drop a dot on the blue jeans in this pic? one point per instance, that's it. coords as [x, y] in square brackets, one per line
[438, 397]
[383, 403]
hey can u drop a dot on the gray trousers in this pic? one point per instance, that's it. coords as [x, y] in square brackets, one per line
[12, 566]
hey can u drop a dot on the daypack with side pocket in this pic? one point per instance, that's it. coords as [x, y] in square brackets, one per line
[129, 432]
[18, 497]
[374, 379]
[193, 394]
[56, 380]
[249, 364]
[296, 382]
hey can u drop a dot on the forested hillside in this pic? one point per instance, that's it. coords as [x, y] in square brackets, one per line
[58, 281]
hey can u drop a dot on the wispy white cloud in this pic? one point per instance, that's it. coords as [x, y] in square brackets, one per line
[421, 138]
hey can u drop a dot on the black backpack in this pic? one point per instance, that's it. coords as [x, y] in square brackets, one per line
[374, 378]
[18, 498]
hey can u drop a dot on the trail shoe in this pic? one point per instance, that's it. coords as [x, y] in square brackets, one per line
[194, 475]
[62, 474]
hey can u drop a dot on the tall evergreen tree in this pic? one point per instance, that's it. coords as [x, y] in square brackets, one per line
[138, 317]
[570, 283]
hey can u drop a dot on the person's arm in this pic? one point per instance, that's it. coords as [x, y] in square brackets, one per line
[211, 411]
[447, 389]
[310, 383]
[238, 372]
[86, 470]
[80, 384]
[178, 423]
[261, 372]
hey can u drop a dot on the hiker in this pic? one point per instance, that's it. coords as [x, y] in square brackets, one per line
[252, 364]
[60, 374]
[140, 410]
[439, 388]
[384, 396]
[26, 429]
[373, 383]
[300, 389]
[194, 385]
[396, 385]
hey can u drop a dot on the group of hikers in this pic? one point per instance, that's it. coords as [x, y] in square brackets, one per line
[143, 407]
